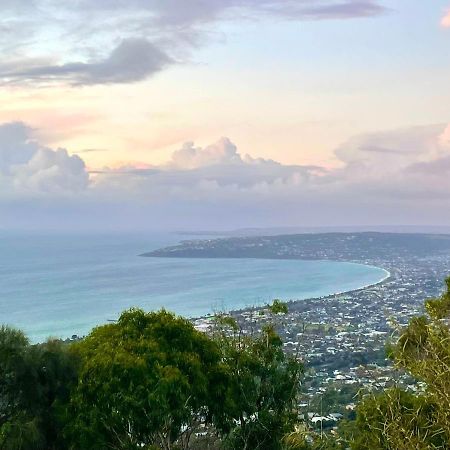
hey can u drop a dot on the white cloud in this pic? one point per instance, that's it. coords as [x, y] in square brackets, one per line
[382, 153]
[27, 168]
[218, 168]
[190, 157]
[407, 169]
[52, 171]
[395, 177]
[15, 147]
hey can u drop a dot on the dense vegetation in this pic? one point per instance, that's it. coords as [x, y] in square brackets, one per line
[401, 420]
[148, 381]
[152, 381]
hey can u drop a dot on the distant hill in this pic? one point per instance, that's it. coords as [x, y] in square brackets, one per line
[277, 231]
[335, 246]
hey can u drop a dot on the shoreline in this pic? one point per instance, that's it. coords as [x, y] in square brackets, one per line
[387, 276]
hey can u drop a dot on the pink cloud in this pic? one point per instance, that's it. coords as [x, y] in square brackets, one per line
[445, 22]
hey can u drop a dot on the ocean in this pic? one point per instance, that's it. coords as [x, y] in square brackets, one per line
[60, 285]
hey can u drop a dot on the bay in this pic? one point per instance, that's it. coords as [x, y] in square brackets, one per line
[64, 284]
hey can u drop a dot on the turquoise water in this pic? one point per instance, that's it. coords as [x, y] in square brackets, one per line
[59, 285]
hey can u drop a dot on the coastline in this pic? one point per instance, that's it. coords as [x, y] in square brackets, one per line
[289, 302]
[387, 276]
[363, 288]
[261, 306]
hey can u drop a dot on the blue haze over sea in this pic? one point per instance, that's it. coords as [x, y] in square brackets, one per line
[64, 284]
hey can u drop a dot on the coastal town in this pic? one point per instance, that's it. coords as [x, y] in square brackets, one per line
[342, 339]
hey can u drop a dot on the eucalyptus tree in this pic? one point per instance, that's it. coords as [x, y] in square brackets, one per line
[262, 398]
[34, 386]
[395, 419]
[148, 381]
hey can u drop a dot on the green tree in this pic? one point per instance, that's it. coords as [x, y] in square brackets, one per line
[262, 395]
[17, 428]
[34, 384]
[278, 307]
[13, 371]
[147, 380]
[397, 420]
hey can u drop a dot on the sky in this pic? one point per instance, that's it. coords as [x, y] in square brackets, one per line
[222, 114]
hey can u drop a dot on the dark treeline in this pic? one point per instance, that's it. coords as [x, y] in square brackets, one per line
[152, 381]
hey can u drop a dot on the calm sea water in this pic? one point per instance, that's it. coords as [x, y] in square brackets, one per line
[59, 285]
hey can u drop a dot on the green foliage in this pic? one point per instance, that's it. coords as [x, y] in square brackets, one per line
[424, 351]
[146, 380]
[334, 400]
[262, 392]
[21, 434]
[34, 384]
[439, 308]
[149, 381]
[397, 420]
[278, 307]
[13, 373]
[303, 440]
[224, 321]
[296, 440]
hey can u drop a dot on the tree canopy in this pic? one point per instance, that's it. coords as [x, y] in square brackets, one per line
[35, 382]
[263, 391]
[145, 380]
[152, 381]
[396, 419]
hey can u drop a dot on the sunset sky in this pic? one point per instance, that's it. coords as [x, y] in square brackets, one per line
[224, 113]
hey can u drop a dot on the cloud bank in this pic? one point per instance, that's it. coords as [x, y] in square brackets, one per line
[125, 41]
[393, 177]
